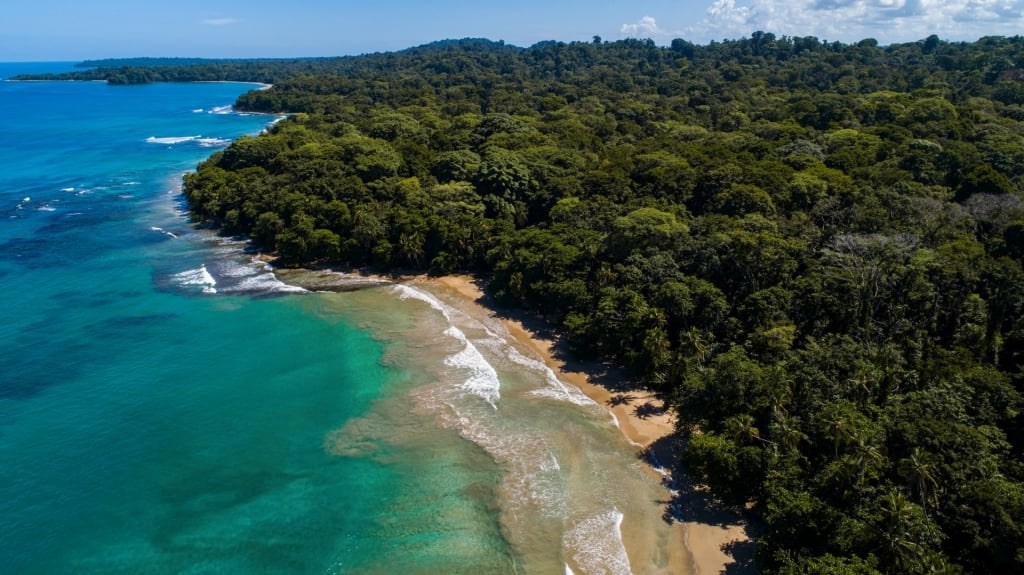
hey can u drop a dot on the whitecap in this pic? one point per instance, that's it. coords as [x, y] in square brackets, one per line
[67, 189]
[197, 111]
[46, 208]
[171, 140]
[197, 277]
[596, 546]
[222, 109]
[163, 231]
[212, 142]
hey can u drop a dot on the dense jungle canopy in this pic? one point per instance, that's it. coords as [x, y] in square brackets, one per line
[813, 249]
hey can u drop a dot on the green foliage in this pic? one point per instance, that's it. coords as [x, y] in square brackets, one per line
[816, 250]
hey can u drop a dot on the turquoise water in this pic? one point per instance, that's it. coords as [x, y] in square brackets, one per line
[167, 405]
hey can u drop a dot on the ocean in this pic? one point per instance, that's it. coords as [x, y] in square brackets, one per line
[168, 405]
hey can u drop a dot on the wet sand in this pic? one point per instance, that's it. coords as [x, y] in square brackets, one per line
[708, 539]
[644, 422]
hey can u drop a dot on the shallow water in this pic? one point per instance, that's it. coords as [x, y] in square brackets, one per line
[167, 405]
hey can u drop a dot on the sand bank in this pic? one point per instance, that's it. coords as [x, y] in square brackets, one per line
[644, 422]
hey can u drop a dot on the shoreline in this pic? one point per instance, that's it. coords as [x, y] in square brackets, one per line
[714, 540]
[640, 416]
[262, 85]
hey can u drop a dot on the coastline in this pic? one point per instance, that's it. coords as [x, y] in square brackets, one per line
[262, 85]
[644, 422]
[711, 540]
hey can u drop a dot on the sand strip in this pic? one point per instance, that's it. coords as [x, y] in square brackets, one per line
[703, 530]
[641, 417]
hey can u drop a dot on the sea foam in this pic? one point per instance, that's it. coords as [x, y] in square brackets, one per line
[596, 546]
[483, 380]
[264, 283]
[171, 139]
[212, 142]
[198, 277]
[162, 231]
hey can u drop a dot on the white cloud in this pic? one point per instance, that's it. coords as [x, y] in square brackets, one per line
[847, 20]
[220, 21]
[646, 27]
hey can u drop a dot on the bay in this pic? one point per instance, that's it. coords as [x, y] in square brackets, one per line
[168, 405]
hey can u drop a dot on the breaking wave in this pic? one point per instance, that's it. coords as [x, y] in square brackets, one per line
[198, 277]
[201, 141]
[596, 544]
[483, 379]
[170, 140]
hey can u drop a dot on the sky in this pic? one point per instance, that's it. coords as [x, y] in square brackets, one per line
[40, 30]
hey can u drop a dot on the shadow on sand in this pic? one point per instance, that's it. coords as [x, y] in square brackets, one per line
[695, 503]
[690, 502]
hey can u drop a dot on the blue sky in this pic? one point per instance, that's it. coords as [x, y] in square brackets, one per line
[78, 29]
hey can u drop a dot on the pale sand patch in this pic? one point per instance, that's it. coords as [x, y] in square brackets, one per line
[643, 421]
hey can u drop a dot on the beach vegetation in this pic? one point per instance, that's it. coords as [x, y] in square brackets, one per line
[815, 250]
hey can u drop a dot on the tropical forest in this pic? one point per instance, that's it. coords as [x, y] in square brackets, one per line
[813, 250]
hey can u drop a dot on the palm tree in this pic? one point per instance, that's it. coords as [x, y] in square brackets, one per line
[787, 433]
[410, 246]
[865, 456]
[899, 543]
[918, 470]
[837, 426]
[741, 429]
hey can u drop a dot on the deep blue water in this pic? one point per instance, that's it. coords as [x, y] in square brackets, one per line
[164, 400]
[167, 405]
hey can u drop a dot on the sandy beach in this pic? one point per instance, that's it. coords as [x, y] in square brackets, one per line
[711, 540]
[644, 422]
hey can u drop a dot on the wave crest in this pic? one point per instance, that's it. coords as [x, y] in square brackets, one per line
[198, 277]
[597, 544]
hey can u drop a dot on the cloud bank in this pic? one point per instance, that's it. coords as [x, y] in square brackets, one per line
[887, 21]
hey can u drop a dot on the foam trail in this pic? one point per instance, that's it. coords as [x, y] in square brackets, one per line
[483, 380]
[531, 478]
[556, 389]
[405, 292]
[171, 139]
[212, 142]
[163, 231]
[264, 283]
[596, 544]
